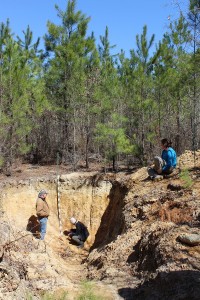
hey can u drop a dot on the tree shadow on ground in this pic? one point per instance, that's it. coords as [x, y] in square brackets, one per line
[33, 226]
[177, 285]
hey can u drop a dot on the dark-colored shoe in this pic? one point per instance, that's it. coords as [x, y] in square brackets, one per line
[80, 246]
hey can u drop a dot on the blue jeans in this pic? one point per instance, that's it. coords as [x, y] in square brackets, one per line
[43, 227]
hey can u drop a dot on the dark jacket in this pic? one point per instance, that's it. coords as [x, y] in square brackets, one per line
[81, 231]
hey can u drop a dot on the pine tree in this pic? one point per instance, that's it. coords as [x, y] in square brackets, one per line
[194, 24]
[109, 105]
[22, 86]
[138, 85]
[113, 139]
[171, 75]
[69, 49]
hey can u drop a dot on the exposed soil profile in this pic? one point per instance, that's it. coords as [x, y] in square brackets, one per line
[135, 249]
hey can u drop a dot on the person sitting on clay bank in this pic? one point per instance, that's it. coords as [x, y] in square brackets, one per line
[165, 164]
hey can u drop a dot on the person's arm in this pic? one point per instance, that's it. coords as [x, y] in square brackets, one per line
[72, 232]
[39, 207]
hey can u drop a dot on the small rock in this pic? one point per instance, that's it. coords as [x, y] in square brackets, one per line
[190, 239]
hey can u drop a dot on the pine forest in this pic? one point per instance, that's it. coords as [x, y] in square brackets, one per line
[76, 101]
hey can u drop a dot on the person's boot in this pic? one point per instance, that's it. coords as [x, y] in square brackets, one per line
[158, 178]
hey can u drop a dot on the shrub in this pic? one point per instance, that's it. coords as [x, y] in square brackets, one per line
[87, 292]
[185, 176]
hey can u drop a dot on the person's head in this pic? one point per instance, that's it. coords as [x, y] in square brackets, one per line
[73, 220]
[165, 143]
[42, 194]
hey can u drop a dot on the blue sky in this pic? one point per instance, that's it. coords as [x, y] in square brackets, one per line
[124, 18]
